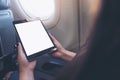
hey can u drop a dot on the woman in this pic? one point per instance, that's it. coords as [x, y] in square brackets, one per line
[101, 61]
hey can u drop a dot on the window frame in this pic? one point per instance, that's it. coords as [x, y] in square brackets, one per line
[49, 23]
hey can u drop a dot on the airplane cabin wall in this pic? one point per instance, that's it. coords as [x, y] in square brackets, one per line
[89, 10]
[66, 31]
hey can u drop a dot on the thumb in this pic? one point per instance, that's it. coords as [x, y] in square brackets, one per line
[21, 55]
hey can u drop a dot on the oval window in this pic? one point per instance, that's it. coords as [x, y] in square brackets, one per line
[43, 9]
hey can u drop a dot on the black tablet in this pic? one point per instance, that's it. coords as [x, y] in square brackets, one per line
[34, 38]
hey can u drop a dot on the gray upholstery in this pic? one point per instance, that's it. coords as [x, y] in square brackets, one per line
[7, 32]
[7, 39]
[4, 4]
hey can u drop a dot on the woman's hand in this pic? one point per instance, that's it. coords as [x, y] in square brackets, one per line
[26, 68]
[62, 52]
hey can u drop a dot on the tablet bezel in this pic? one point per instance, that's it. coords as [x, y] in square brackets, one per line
[34, 55]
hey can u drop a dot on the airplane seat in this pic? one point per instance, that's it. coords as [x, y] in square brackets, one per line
[7, 37]
[7, 32]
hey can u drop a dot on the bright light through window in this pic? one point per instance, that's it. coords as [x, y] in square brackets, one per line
[38, 8]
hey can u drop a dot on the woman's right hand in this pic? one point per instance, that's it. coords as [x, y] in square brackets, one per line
[62, 52]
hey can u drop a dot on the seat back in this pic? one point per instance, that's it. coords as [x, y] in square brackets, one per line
[7, 31]
[7, 39]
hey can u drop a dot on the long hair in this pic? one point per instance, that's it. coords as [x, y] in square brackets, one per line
[102, 58]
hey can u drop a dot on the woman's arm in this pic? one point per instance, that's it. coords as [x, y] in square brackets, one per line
[26, 68]
[62, 52]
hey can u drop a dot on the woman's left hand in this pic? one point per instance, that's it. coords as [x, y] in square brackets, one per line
[26, 68]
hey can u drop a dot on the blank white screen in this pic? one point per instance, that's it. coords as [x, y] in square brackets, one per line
[33, 37]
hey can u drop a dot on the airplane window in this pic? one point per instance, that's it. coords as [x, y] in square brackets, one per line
[43, 9]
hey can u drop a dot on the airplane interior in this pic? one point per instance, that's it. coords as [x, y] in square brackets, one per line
[69, 21]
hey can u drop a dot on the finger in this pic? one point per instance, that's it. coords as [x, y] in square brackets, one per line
[57, 54]
[21, 55]
[53, 38]
[58, 45]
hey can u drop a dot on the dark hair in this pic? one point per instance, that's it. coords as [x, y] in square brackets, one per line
[103, 53]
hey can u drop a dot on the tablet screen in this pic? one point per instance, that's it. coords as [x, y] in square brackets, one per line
[33, 36]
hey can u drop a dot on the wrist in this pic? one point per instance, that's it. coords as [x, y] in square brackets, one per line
[25, 70]
[67, 55]
[26, 75]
